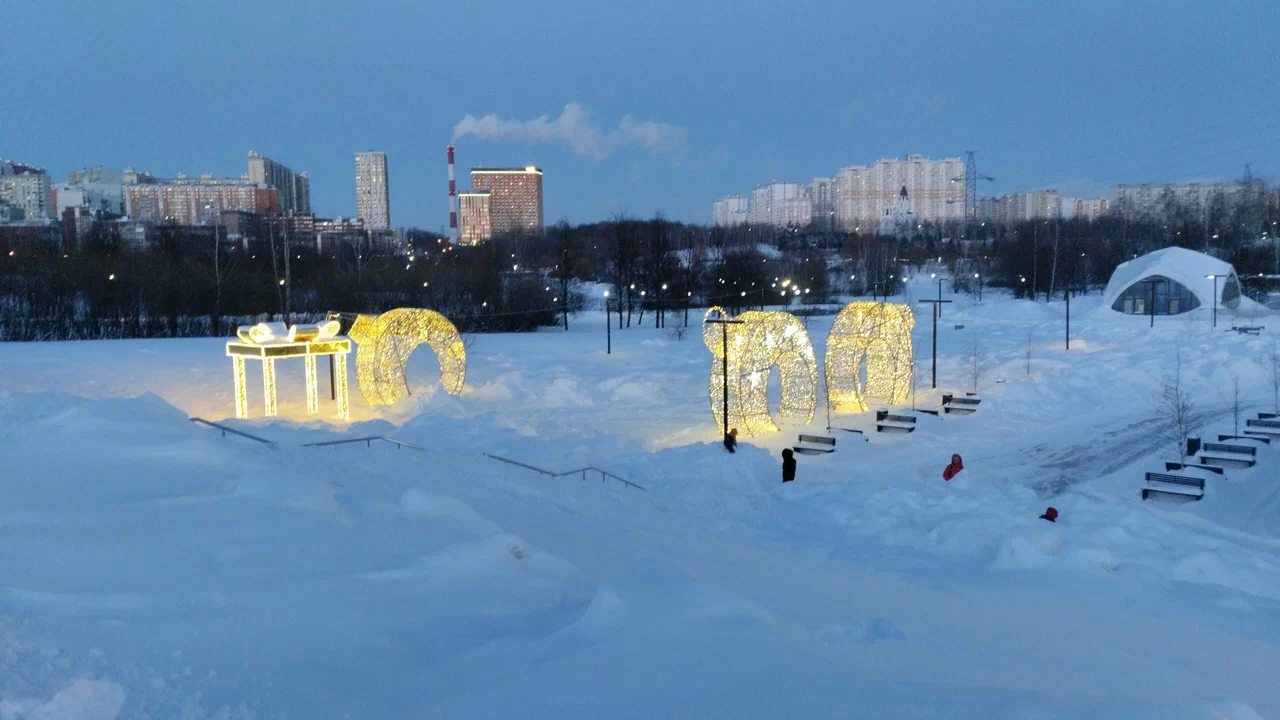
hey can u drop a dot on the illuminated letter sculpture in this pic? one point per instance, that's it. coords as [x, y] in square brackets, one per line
[269, 342]
[387, 340]
[880, 333]
[761, 341]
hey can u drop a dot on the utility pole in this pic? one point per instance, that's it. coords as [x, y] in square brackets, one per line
[936, 305]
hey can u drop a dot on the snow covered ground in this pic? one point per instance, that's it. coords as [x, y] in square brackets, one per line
[155, 569]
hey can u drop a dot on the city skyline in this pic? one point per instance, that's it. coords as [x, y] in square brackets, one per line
[1130, 93]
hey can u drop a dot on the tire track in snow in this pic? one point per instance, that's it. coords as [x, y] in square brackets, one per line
[1114, 448]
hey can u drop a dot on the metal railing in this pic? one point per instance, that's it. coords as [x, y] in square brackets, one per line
[368, 442]
[604, 474]
[233, 431]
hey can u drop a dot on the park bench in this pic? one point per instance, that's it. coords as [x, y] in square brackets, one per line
[1175, 489]
[1262, 426]
[967, 405]
[1171, 466]
[1225, 455]
[886, 421]
[1267, 416]
[1251, 438]
[815, 445]
[1248, 329]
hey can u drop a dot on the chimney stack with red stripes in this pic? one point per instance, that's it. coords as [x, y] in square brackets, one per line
[453, 202]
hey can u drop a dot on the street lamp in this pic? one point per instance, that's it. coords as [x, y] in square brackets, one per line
[935, 275]
[608, 334]
[1214, 278]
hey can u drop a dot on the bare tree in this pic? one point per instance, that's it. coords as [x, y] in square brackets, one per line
[979, 364]
[1275, 374]
[1176, 405]
[1235, 403]
[1030, 330]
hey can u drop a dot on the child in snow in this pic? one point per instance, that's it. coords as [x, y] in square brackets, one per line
[1051, 515]
[788, 465]
[953, 469]
[731, 440]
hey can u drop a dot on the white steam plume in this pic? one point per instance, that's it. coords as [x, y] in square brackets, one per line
[573, 128]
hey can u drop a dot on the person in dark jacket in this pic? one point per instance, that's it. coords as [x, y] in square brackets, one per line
[788, 465]
[731, 440]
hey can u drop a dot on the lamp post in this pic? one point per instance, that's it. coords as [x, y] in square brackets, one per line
[1066, 291]
[1152, 284]
[724, 323]
[608, 333]
[935, 275]
[1214, 278]
[937, 305]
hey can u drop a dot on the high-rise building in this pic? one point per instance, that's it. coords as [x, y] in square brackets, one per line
[295, 196]
[1152, 200]
[822, 198]
[935, 189]
[729, 211]
[372, 204]
[302, 193]
[780, 204]
[475, 219]
[1083, 209]
[192, 201]
[28, 188]
[92, 190]
[515, 197]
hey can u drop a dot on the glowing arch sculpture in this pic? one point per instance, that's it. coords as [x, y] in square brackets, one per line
[762, 341]
[880, 334]
[385, 342]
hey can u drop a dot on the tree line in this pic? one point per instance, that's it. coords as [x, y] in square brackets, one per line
[194, 281]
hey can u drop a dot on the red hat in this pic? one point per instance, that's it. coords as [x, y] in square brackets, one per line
[1050, 514]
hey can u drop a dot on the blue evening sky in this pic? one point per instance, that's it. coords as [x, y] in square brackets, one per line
[721, 95]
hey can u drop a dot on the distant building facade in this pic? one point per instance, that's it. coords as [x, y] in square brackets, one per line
[192, 201]
[1153, 200]
[11, 214]
[95, 190]
[729, 211]
[515, 197]
[26, 187]
[780, 204]
[935, 188]
[1082, 209]
[1017, 207]
[822, 200]
[293, 190]
[373, 205]
[475, 220]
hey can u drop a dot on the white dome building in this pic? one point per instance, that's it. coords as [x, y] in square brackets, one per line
[1175, 280]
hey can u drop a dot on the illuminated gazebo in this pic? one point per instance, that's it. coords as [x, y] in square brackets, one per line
[269, 342]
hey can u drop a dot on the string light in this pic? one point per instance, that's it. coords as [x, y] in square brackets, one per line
[385, 343]
[268, 343]
[762, 341]
[880, 334]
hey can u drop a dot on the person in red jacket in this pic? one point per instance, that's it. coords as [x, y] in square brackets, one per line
[1051, 515]
[953, 469]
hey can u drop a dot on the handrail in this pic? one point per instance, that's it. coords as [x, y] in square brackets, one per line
[368, 441]
[583, 470]
[233, 431]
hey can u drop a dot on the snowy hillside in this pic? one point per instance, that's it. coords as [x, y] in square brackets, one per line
[155, 569]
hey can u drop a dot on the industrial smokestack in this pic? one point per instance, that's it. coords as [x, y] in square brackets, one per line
[453, 201]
